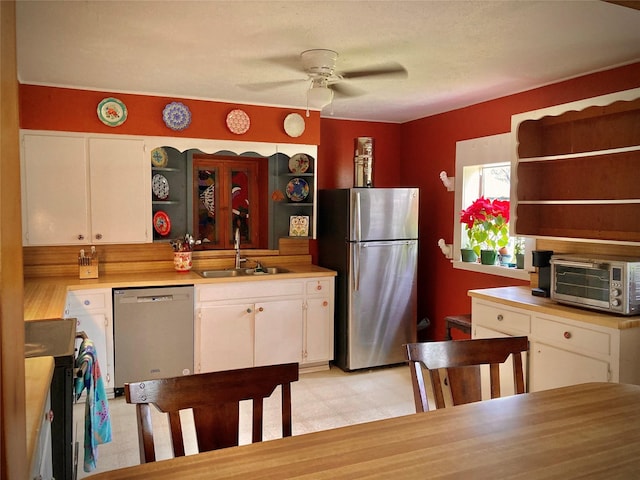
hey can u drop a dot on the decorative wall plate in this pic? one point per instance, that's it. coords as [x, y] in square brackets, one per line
[238, 121]
[161, 223]
[297, 190]
[159, 157]
[299, 163]
[160, 186]
[112, 112]
[176, 116]
[294, 125]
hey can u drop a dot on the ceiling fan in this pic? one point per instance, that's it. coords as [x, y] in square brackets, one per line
[325, 81]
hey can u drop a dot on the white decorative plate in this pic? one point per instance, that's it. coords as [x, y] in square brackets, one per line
[176, 116]
[294, 125]
[299, 163]
[238, 121]
[159, 157]
[160, 186]
[112, 112]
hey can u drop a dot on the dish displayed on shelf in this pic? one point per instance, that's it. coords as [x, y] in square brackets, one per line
[299, 163]
[297, 190]
[160, 186]
[112, 112]
[176, 116]
[159, 157]
[294, 125]
[238, 121]
[161, 223]
[208, 199]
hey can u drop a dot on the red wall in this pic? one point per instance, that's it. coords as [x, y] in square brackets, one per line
[413, 154]
[47, 108]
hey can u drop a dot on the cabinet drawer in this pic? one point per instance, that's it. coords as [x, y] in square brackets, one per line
[81, 301]
[319, 287]
[502, 319]
[251, 290]
[571, 336]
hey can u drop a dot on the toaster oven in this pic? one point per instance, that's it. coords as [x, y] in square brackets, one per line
[610, 284]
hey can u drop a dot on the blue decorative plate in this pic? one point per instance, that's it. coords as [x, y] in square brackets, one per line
[297, 190]
[176, 116]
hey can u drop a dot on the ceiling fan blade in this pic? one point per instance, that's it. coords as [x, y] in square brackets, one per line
[386, 69]
[262, 86]
[344, 90]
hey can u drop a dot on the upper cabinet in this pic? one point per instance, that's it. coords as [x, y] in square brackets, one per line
[575, 170]
[78, 190]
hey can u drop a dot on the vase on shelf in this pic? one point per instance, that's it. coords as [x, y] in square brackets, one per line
[488, 257]
[520, 260]
[468, 255]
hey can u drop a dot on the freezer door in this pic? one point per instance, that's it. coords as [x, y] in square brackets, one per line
[383, 214]
[382, 302]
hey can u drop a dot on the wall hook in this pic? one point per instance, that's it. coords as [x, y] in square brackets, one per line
[448, 182]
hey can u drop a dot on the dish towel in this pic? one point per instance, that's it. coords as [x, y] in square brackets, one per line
[97, 422]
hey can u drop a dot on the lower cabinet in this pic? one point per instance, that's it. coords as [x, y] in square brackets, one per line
[562, 351]
[245, 324]
[92, 309]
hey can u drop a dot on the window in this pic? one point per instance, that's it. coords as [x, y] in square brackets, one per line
[483, 168]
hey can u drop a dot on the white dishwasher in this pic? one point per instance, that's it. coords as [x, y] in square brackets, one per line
[153, 333]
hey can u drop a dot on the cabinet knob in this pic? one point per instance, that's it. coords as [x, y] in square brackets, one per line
[319, 287]
[98, 236]
[248, 310]
[325, 303]
[567, 335]
[87, 302]
[261, 309]
[80, 237]
[49, 416]
[500, 317]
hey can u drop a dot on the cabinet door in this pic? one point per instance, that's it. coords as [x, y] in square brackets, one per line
[120, 204]
[318, 331]
[54, 197]
[278, 327]
[224, 339]
[553, 367]
[96, 326]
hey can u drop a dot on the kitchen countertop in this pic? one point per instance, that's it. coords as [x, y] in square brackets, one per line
[45, 297]
[38, 375]
[521, 297]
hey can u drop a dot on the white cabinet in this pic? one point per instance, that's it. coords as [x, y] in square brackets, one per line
[42, 462]
[79, 190]
[244, 324]
[562, 351]
[93, 312]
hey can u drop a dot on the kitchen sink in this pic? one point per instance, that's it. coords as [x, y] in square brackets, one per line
[237, 272]
[221, 273]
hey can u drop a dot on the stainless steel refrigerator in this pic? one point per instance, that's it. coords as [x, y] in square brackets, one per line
[370, 237]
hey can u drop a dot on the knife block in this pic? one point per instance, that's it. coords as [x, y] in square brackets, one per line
[89, 271]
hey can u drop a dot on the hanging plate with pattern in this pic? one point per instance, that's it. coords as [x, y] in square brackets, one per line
[238, 121]
[112, 112]
[176, 116]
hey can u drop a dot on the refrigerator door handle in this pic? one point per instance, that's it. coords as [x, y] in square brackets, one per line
[356, 268]
[358, 219]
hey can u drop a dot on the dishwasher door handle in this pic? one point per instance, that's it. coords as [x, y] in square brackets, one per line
[155, 298]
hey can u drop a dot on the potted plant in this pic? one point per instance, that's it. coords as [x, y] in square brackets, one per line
[487, 224]
[518, 250]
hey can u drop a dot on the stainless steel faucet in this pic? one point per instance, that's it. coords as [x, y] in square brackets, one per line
[236, 245]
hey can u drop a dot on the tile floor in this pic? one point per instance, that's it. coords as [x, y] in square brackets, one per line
[320, 401]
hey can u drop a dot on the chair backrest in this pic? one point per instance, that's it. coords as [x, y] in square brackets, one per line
[214, 398]
[462, 360]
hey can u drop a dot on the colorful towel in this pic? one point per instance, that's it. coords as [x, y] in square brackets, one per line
[97, 423]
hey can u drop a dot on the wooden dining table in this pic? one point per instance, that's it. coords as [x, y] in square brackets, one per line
[583, 431]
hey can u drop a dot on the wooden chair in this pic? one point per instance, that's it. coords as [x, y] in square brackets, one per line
[462, 360]
[214, 398]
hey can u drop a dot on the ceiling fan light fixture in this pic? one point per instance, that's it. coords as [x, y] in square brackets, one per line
[319, 97]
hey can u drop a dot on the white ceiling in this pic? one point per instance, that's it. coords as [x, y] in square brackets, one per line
[457, 53]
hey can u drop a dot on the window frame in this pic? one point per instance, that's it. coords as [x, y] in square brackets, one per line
[493, 149]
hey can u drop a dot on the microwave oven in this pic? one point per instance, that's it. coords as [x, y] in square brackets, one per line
[610, 284]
